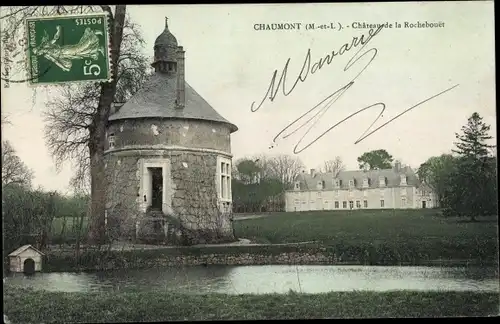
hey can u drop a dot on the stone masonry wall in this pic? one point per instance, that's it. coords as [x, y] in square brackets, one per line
[192, 147]
[194, 197]
[172, 132]
[292, 258]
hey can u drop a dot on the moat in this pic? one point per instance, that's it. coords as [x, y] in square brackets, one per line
[267, 279]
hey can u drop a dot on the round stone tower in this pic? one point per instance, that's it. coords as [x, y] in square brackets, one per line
[169, 160]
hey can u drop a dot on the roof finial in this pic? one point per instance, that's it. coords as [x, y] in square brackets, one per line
[166, 23]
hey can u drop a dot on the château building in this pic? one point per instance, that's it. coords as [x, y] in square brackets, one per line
[394, 188]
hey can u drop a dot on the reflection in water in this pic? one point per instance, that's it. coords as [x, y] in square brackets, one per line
[267, 279]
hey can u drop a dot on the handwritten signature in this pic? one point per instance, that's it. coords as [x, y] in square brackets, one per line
[313, 115]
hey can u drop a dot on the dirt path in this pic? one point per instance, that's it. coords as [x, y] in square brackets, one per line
[249, 216]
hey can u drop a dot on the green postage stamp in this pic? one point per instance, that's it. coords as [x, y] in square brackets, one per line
[68, 48]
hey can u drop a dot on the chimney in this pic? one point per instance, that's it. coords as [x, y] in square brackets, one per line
[397, 166]
[313, 172]
[181, 94]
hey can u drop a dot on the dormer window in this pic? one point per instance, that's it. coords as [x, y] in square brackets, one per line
[382, 181]
[366, 183]
[351, 183]
[336, 183]
[403, 179]
[111, 140]
[321, 184]
[297, 185]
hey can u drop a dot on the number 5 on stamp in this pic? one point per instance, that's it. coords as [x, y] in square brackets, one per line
[68, 48]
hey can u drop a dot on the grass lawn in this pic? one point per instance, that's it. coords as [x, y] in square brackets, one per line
[421, 232]
[23, 306]
[368, 236]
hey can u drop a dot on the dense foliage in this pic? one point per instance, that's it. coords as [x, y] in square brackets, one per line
[29, 215]
[466, 182]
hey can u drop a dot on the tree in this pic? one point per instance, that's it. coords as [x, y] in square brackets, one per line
[248, 170]
[27, 216]
[70, 115]
[14, 171]
[435, 173]
[472, 187]
[285, 168]
[375, 160]
[334, 166]
[106, 90]
[472, 142]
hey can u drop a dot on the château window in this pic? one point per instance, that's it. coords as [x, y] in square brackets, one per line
[224, 182]
[382, 203]
[358, 204]
[336, 204]
[344, 204]
[365, 203]
[403, 202]
[111, 140]
[351, 204]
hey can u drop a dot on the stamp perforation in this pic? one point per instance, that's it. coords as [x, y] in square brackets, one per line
[107, 22]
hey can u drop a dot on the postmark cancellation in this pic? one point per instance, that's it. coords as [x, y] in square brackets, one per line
[68, 49]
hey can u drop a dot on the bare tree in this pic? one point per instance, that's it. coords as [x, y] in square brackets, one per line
[263, 161]
[106, 95]
[335, 166]
[70, 114]
[14, 171]
[285, 168]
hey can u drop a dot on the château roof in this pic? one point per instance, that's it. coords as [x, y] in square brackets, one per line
[157, 99]
[392, 176]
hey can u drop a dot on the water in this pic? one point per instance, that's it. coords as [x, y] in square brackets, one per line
[267, 279]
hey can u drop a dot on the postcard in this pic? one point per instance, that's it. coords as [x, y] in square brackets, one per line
[249, 161]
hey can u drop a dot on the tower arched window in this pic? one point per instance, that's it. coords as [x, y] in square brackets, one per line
[170, 66]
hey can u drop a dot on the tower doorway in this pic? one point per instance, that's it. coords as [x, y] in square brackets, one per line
[157, 188]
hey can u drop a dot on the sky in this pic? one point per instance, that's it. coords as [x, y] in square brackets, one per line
[230, 64]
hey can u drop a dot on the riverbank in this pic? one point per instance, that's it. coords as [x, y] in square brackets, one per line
[265, 254]
[22, 306]
[361, 237]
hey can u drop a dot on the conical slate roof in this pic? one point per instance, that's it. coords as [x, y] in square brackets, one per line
[157, 100]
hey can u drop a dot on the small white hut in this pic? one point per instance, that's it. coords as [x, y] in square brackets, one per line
[26, 259]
